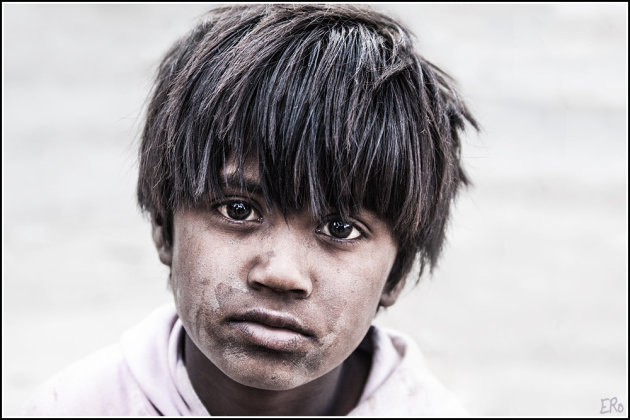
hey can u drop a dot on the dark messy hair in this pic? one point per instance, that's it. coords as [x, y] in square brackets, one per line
[334, 103]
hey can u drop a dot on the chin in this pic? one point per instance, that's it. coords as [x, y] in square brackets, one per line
[276, 381]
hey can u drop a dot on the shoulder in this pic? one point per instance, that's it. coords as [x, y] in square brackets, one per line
[401, 383]
[127, 378]
[100, 384]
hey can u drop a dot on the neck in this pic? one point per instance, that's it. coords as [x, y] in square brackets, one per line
[335, 393]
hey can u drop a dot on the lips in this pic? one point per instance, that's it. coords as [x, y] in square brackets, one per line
[271, 329]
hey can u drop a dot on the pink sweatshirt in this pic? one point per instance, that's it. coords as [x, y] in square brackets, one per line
[144, 374]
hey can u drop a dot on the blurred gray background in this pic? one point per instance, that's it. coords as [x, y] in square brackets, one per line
[527, 313]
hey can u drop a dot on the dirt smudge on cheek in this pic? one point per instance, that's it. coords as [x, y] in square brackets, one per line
[202, 313]
[211, 305]
[208, 300]
[228, 296]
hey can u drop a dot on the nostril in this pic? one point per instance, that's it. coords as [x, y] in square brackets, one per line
[280, 278]
[295, 291]
[300, 293]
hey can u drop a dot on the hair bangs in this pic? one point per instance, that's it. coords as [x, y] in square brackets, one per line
[322, 110]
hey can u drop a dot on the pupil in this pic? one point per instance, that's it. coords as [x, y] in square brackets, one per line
[238, 210]
[340, 229]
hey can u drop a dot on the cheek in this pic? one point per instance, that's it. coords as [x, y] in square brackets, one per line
[200, 264]
[352, 295]
[366, 277]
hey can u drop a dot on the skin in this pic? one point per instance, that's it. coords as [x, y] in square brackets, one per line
[288, 264]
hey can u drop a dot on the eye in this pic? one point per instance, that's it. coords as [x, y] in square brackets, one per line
[238, 210]
[340, 229]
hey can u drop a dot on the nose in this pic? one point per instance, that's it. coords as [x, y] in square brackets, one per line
[279, 267]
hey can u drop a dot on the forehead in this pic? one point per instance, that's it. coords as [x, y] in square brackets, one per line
[247, 170]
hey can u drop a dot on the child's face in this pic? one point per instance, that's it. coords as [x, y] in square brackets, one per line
[275, 303]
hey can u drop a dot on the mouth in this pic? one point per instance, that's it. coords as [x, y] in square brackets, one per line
[273, 330]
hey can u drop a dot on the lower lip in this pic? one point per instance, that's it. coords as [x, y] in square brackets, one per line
[279, 339]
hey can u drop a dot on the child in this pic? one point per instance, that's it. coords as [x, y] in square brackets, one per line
[296, 160]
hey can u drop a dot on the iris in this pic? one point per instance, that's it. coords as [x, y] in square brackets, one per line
[238, 210]
[340, 229]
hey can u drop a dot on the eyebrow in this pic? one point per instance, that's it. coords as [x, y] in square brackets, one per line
[233, 181]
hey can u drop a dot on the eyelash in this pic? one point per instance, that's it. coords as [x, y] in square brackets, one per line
[318, 230]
